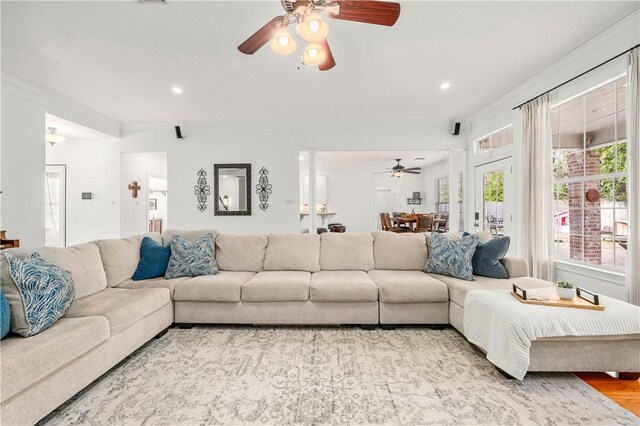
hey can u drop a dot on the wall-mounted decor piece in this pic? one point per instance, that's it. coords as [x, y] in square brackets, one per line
[134, 188]
[264, 188]
[202, 190]
[153, 204]
[232, 189]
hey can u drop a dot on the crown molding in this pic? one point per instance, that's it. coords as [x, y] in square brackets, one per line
[60, 107]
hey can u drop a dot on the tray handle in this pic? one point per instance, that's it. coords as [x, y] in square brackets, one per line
[522, 293]
[580, 291]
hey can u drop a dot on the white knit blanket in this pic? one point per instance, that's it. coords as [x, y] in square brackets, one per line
[504, 327]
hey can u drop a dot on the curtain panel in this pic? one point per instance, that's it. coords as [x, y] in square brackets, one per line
[633, 154]
[536, 190]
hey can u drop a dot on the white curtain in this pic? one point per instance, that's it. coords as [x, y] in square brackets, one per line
[633, 146]
[536, 190]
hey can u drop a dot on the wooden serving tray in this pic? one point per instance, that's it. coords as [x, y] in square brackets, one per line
[577, 302]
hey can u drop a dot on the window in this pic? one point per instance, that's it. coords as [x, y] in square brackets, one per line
[495, 140]
[590, 178]
[442, 190]
[461, 202]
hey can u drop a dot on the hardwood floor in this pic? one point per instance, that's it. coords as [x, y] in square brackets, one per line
[624, 392]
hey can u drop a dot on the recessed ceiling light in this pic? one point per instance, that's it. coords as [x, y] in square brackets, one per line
[176, 90]
[445, 85]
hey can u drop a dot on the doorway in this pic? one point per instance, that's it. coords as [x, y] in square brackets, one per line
[495, 198]
[55, 205]
[387, 200]
[157, 203]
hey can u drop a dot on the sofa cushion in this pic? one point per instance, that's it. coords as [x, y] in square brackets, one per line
[346, 252]
[120, 256]
[458, 288]
[452, 256]
[121, 307]
[408, 287]
[26, 361]
[343, 286]
[154, 259]
[277, 286]
[84, 263]
[293, 252]
[241, 252]
[39, 291]
[399, 251]
[153, 283]
[192, 259]
[191, 236]
[223, 287]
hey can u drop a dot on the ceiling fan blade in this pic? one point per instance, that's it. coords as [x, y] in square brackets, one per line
[368, 12]
[411, 172]
[413, 168]
[380, 173]
[329, 62]
[261, 37]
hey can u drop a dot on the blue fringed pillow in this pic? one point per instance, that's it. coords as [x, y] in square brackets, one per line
[192, 260]
[486, 260]
[452, 256]
[46, 291]
[154, 259]
[5, 316]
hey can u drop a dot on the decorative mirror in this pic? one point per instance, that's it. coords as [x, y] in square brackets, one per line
[232, 189]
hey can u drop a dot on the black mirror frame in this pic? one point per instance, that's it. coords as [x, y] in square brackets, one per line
[216, 192]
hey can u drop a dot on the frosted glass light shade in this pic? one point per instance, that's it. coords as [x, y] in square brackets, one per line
[313, 29]
[313, 54]
[282, 43]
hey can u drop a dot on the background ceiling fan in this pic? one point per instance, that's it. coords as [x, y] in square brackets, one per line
[306, 14]
[399, 170]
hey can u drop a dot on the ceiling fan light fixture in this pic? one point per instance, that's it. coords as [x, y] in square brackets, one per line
[313, 29]
[282, 43]
[51, 136]
[313, 54]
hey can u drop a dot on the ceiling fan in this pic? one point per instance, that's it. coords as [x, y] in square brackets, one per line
[399, 170]
[306, 14]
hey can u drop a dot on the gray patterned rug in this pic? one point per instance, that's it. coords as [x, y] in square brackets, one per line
[342, 375]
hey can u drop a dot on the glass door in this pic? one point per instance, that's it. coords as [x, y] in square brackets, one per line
[55, 204]
[495, 198]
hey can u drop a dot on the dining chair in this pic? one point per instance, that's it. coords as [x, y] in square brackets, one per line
[390, 227]
[425, 223]
[383, 222]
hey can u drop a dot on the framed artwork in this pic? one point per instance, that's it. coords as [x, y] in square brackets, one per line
[153, 204]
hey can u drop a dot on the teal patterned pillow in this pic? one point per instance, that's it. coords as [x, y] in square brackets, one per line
[191, 260]
[46, 291]
[452, 257]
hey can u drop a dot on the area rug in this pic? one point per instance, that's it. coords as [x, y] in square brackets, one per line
[328, 375]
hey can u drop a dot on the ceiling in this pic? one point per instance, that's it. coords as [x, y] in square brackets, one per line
[122, 58]
[376, 159]
[74, 131]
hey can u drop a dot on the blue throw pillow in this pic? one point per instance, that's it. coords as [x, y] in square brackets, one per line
[452, 256]
[154, 259]
[486, 260]
[5, 316]
[192, 260]
[46, 291]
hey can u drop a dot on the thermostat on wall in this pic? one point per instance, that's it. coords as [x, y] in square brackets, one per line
[87, 195]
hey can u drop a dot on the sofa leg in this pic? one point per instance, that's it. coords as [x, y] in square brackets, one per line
[437, 326]
[389, 326]
[185, 325]
[628, 375]
[368, 326]
[162, 333]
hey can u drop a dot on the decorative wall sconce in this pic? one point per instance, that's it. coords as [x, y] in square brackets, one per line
[264, 188]
[225, 202]
[202, 190]
[134, 188]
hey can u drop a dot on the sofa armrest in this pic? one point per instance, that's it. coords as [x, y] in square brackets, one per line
[516, 267]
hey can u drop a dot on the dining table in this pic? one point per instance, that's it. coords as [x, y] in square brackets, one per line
[409, 221]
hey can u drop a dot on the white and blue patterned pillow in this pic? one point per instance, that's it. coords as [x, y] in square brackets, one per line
[192, 260]
[46, 291]
[452, 256]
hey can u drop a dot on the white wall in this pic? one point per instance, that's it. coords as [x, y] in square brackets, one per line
[431, 173]
[22, 158]
[92, 166]
[274, 146]
[137, 167]
[499, 114]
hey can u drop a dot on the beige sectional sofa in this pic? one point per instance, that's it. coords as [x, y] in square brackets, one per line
[364, 279]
